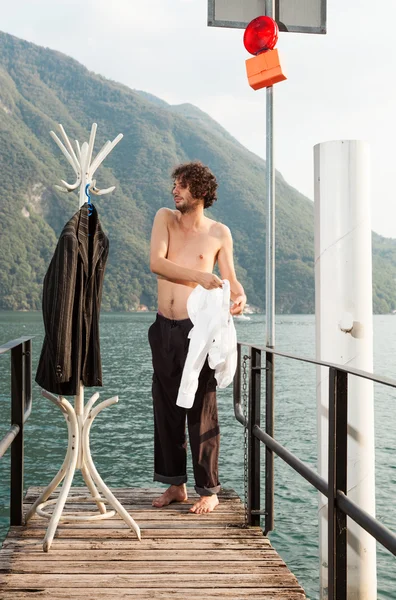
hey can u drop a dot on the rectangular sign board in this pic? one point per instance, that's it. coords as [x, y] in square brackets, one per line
[297, 16]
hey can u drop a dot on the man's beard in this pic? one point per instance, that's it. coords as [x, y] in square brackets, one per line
[184, 208]
[187, 207]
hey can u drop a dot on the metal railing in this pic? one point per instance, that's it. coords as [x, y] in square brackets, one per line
[335, 489]
[21, 406]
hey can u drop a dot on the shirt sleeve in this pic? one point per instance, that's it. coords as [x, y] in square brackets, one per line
[225, 371]
[58, 305]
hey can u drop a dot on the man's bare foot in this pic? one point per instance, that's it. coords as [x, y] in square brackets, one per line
[174, 493]
[205, 504]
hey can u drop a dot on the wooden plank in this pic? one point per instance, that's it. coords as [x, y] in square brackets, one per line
[148, 567]
[142, 497]
[147, 516]
[179, 580]
[228, 506]
[205, 520]
[64, 545]
[135, 500]
[138, 492]
[167, 511]
[123, 532]
[148, 594]
[236, 517]
[179, 507]
[160, 553]
[176, 519]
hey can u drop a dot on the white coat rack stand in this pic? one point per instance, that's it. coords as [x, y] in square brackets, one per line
[79, 419]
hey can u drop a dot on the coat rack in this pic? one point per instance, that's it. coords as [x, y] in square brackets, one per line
[80, 417]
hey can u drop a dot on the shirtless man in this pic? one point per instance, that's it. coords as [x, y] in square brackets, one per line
[185, 246]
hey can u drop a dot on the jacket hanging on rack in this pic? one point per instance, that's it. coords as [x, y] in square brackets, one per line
[72, 294]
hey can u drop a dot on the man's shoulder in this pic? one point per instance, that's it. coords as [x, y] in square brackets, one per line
[166, 213]
[219, 229]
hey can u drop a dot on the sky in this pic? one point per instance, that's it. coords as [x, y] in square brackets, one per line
[341, 85]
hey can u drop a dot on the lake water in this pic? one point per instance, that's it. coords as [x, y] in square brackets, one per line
[122, 436]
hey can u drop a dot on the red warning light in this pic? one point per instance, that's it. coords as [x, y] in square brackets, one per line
[261, 35]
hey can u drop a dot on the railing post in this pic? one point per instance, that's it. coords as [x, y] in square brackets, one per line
[27, 365]
[17, 418]
[337, 520]
[253, 441]
[269, 455]
[237, 379]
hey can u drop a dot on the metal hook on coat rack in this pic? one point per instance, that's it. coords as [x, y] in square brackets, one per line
[90, 208]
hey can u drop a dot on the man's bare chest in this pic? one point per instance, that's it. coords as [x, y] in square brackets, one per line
[194, 250]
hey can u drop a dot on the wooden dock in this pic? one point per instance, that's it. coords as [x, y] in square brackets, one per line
[182, 556]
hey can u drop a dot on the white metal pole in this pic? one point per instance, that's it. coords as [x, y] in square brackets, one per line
[270, 202]
[344, 335]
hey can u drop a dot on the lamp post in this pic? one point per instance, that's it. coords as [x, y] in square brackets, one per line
[264, 70]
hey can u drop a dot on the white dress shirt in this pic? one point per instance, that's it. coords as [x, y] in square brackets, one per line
[213, 335]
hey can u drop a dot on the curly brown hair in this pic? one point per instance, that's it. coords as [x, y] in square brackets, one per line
[200, 180]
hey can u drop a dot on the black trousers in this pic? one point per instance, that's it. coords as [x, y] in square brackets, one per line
[169, 346]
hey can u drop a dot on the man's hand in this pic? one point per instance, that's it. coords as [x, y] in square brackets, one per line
[209, 281]
[238, 305]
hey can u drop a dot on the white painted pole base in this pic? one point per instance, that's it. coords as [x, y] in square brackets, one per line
[78, 456]
[344, 335]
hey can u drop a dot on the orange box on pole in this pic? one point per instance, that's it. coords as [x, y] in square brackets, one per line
[264, 70]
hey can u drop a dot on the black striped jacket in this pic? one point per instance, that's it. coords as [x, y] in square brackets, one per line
[72, 294]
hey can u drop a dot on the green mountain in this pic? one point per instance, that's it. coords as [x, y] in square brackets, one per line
[40, 88]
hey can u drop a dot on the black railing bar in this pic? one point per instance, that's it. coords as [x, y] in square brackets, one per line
[27, 365]
[13, 343]
[253, 444]
[381, 533]
[295, 463]
[239, 414]
[27, 412]
[237, 390]
[344, 368]
[7, 440]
